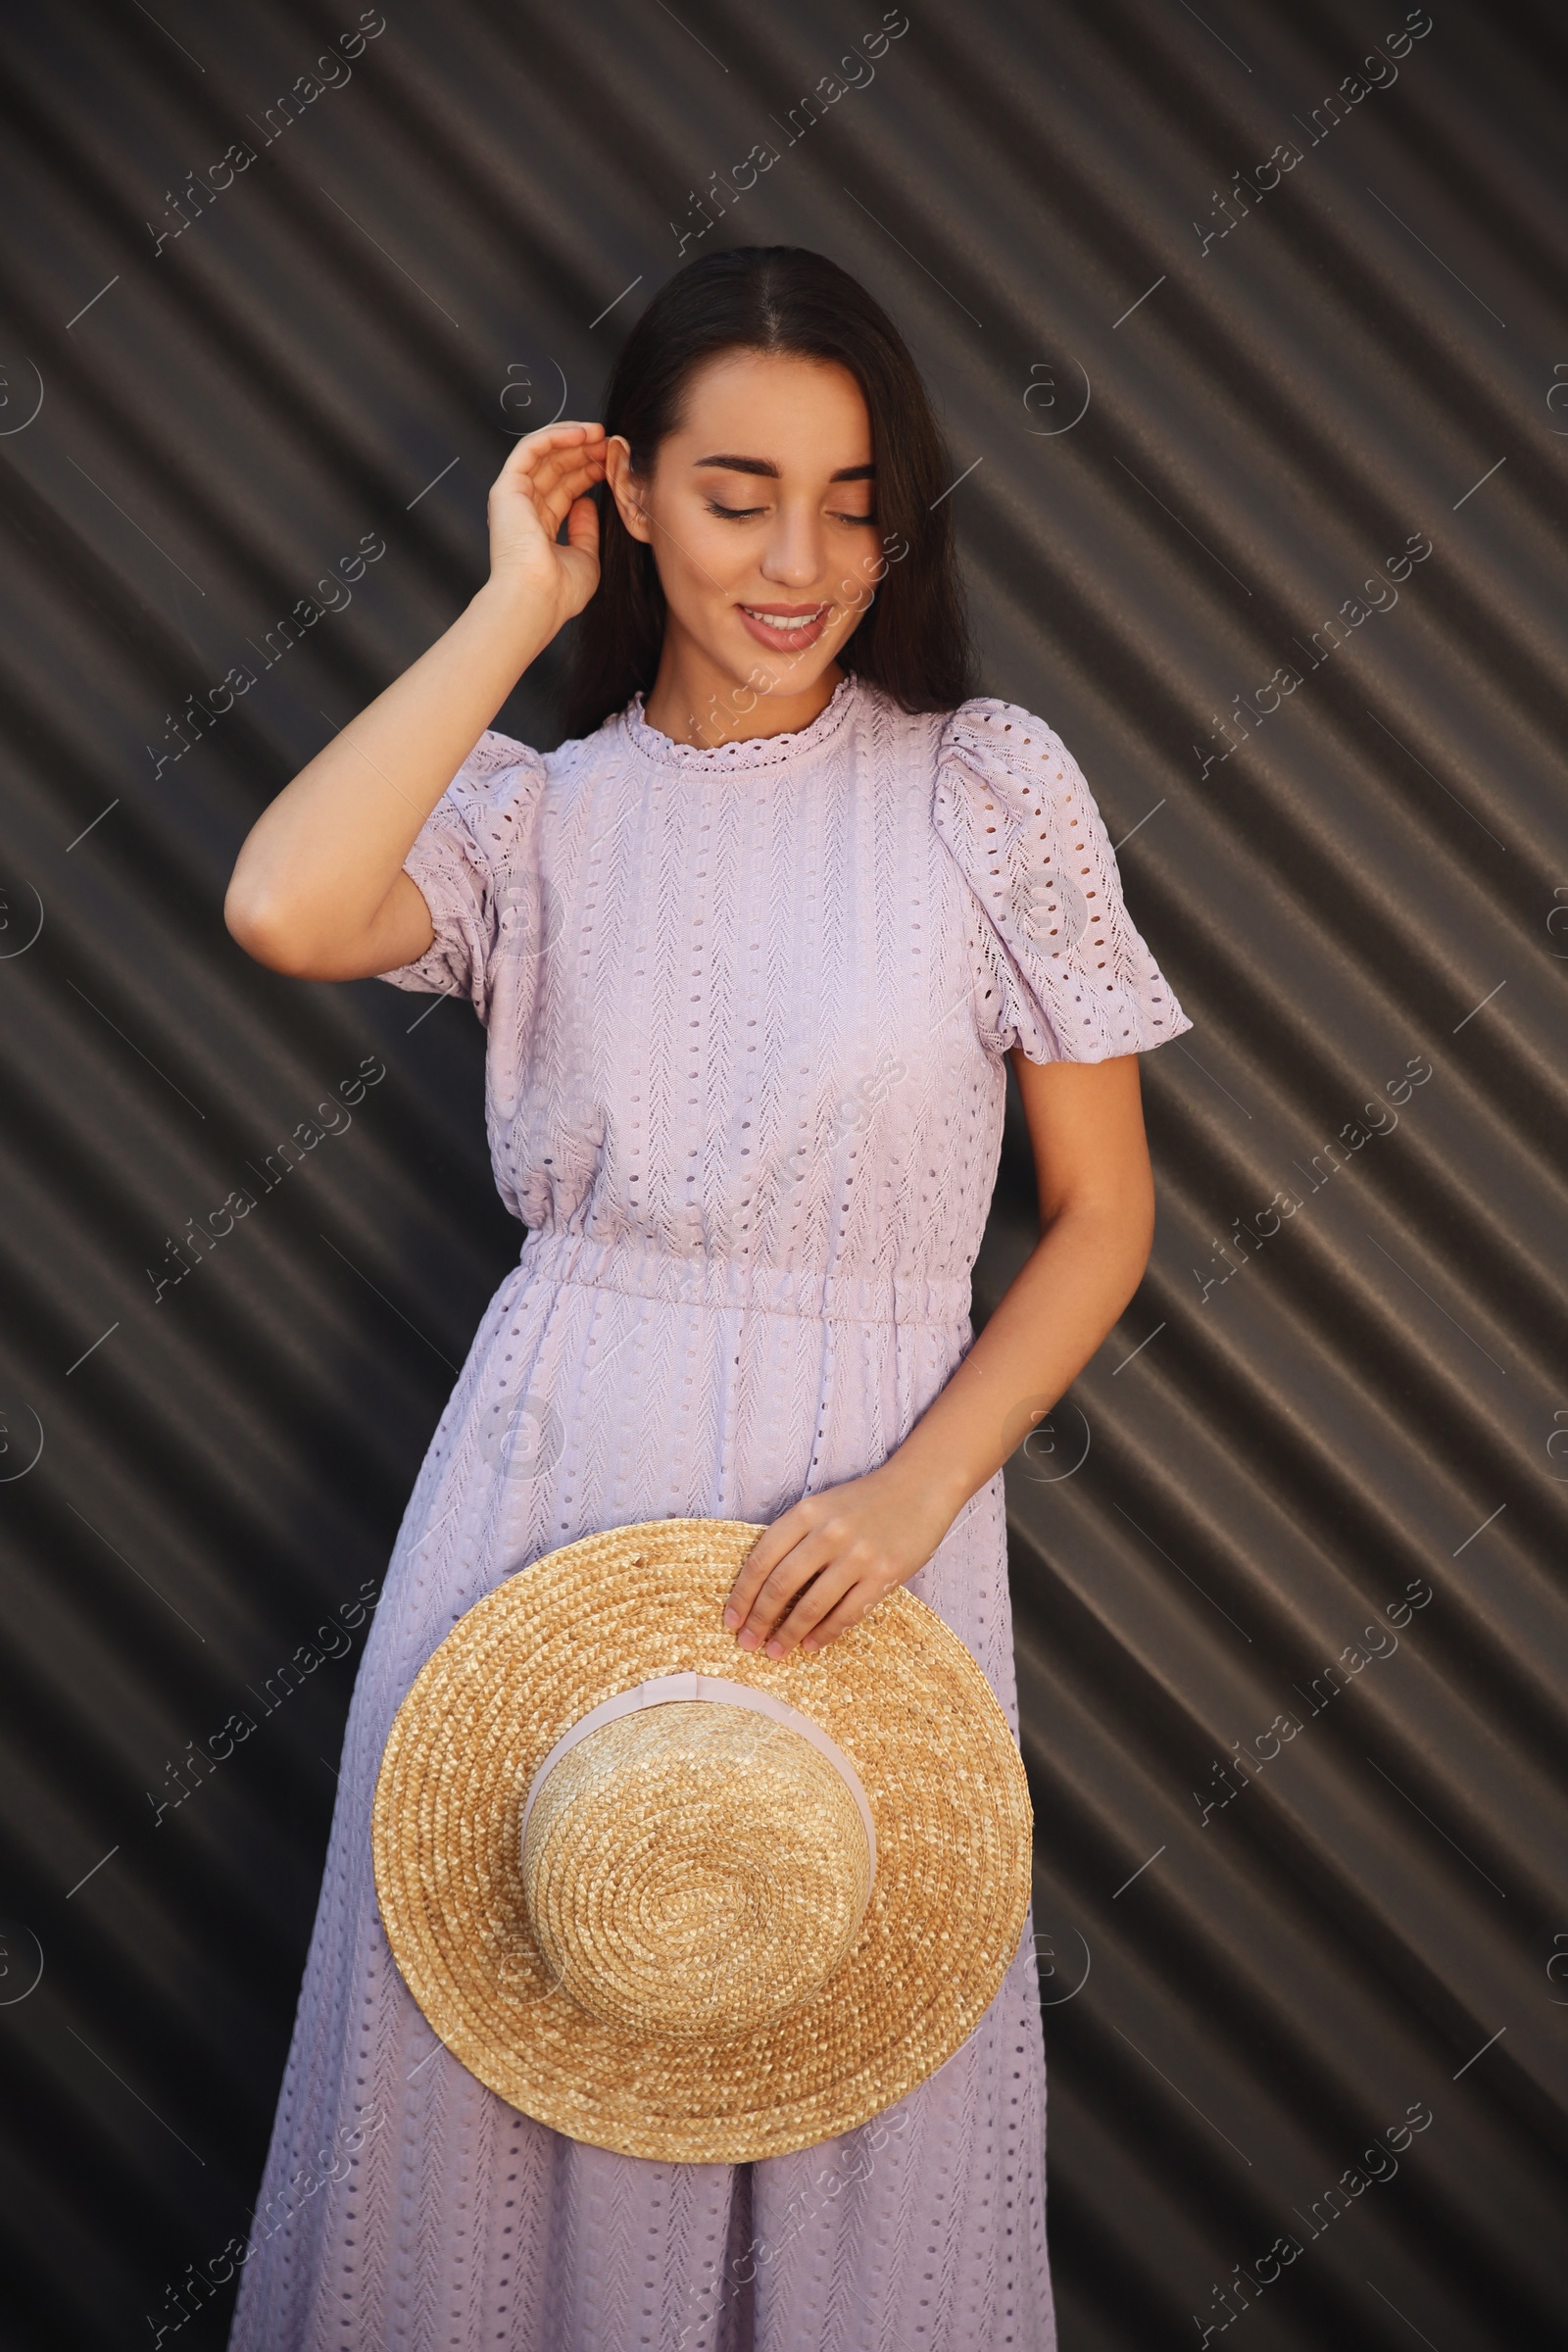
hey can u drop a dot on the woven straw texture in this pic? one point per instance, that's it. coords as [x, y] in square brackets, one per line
[903, 1698]
[694, 1870]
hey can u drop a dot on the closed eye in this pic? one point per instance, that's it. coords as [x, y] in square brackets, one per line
[745, 513]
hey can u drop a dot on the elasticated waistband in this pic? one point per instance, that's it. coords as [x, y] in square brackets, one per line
[642, 1270]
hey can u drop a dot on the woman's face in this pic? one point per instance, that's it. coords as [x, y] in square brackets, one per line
[761, 515]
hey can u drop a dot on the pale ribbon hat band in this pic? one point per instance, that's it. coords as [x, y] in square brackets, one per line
[664, 1690]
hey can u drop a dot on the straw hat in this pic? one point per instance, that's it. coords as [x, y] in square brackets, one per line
[682, 1900]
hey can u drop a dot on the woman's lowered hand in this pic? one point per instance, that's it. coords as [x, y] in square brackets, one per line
[832, 1556]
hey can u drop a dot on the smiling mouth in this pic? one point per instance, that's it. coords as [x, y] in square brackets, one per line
[788, 620]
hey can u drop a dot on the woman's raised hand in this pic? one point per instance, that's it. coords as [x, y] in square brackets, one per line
[543, 484]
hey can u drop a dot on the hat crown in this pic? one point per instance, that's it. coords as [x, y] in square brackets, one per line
[694, 1870]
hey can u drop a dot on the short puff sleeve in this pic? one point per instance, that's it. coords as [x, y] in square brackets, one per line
[475, 863]
[1059, 968]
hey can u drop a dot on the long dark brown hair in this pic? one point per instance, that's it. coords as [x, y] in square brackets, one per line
[913, 640]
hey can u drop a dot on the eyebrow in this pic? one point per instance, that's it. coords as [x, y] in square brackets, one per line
[764, 466]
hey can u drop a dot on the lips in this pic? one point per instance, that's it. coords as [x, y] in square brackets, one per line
[785, 628]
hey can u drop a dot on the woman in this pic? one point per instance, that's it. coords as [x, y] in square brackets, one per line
[751, 946]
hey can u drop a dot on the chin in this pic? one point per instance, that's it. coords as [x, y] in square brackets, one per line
[787, 669]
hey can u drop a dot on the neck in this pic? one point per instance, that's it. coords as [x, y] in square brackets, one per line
[695, 700]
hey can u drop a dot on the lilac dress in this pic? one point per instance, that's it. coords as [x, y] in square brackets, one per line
[746, 1012]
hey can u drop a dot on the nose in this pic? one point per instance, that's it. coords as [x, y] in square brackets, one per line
[796, 549]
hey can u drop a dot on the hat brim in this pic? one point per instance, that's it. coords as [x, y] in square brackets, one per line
[902, 1698]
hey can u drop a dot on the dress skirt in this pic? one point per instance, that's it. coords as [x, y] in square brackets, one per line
[405, 2205]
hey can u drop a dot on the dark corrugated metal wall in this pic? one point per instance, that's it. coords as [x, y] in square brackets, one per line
[1248, 331]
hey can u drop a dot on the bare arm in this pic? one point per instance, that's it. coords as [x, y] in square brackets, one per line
[319, 888]
[1097, 1225]
[849, 1544]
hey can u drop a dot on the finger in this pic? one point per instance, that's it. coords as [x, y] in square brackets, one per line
[555, 502]
[849, 1611]
[759, 1562]
[560, 441]
[582, 526]
[773, 1596]
[539, 455]
[782, 1586]
[821, 1597]
[527, 454]
[564, 429]
[556, 476]
[555, 458]
[530, 511]
[776, 1548]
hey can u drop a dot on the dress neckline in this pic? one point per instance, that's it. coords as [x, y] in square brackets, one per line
[750, 752]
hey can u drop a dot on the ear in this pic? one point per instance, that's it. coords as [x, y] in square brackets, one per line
[625, 489]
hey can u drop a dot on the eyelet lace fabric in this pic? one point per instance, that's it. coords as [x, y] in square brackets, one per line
[745, 1015]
